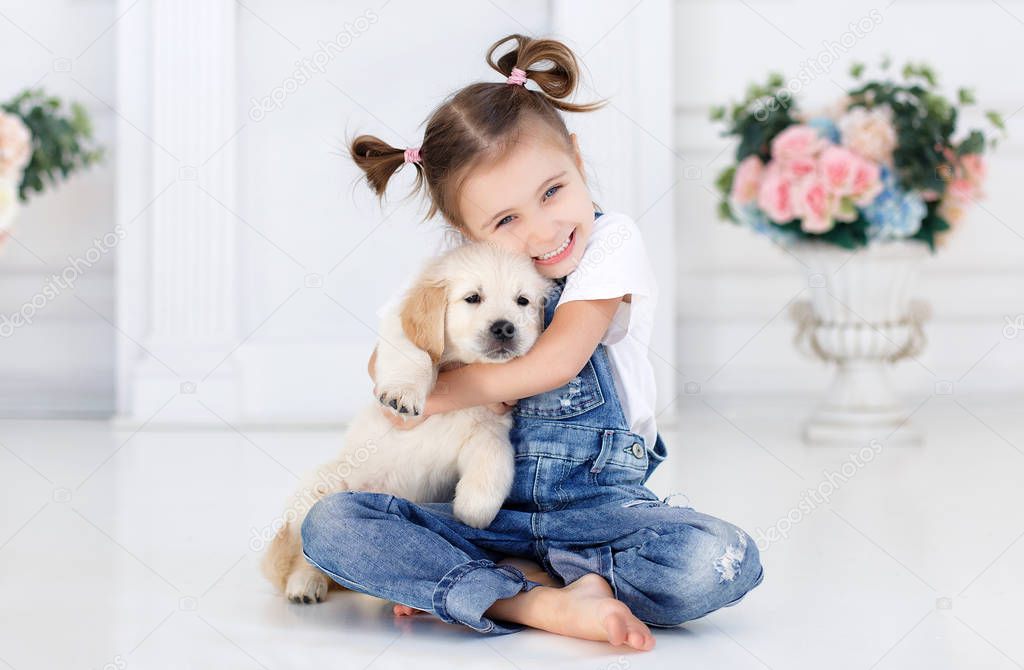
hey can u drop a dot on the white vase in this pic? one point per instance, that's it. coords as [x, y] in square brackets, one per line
[861, 317]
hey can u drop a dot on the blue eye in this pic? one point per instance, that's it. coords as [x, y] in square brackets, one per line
[547, 194]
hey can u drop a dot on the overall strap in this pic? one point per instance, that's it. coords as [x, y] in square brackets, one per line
[599, 360]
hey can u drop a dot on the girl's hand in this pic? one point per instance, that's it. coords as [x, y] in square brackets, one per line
[501, 408]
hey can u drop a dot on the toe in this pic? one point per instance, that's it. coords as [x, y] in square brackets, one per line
[616, 629]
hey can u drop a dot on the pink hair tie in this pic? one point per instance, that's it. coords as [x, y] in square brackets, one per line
[517, 77]
[412, 155]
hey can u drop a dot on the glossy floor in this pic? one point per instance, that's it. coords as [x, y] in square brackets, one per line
[125, 549]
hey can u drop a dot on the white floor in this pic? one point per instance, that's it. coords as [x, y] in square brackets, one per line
[134, 550]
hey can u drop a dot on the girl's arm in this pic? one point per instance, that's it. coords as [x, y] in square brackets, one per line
[559, 354]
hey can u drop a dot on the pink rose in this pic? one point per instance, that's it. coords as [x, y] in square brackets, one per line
[747, 180]
[15, 145]
[775, 196]
[867, 181]
[8, 204]
[964, 186]
[974, 171]
[816, 206]
[964, 174]
[798, 168]
[962, 190]
[974, 166]
[838, 167]
[797, 141]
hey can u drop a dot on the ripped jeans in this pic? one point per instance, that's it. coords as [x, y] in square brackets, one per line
[578, 505]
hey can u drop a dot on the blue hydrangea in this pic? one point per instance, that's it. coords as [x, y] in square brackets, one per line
[895, 213]
[826, 128]
[751, 216]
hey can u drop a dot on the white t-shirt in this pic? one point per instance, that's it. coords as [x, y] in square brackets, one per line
[614, 263]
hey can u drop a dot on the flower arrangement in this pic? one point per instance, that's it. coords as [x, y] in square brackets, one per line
[40, 144]
[881, 164]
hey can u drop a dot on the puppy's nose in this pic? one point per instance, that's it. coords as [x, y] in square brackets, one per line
[503, 330]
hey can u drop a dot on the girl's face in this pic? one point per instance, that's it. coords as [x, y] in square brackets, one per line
[534, 202]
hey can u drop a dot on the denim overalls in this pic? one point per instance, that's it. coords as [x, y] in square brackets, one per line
[578, 504]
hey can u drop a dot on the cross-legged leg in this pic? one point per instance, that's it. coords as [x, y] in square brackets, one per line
[421, 556]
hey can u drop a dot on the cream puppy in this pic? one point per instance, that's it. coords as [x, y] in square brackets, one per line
[476, 303]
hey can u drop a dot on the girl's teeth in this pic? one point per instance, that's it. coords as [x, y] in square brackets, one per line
[557, 251]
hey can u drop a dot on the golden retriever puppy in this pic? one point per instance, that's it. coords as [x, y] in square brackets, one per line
[476, 303]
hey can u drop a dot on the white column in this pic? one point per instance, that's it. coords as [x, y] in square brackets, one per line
[177, 289]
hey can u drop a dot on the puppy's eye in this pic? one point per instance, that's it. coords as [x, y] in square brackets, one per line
[522, 301]
[475, 298]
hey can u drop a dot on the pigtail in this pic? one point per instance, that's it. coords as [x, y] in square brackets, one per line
[557, 83]
[480, 122]
[379, 161]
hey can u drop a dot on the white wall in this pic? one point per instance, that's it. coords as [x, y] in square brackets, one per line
[257, 260]
[63, 362]
[255, 254]
[732, 283]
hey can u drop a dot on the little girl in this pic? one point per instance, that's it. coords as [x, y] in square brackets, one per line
[581, 547]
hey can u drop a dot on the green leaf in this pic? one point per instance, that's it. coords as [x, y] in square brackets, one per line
[965, 96]
[996, 119]
[724, 181]
[972, 144]
[725, 212]
[61, 140]
[846, 208]
[928, 74]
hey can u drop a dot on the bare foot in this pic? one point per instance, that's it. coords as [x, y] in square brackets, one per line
[528, 567]
[583, 609]
[532, 571]
[405, 610]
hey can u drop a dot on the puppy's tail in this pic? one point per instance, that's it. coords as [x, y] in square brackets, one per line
[282, 556]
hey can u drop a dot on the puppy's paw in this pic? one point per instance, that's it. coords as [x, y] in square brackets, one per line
[475, 510]
[402, 399]
[306, 586]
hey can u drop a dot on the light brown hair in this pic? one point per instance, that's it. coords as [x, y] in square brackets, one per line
[480, 123]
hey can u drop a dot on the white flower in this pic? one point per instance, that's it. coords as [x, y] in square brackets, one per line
[15, 145]
[8, 202]
[869, 133]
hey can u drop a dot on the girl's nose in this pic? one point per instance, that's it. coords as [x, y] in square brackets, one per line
[539, 241]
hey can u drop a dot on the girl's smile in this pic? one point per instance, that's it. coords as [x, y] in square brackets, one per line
[561, 253]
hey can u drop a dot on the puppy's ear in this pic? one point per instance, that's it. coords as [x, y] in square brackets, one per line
[423, 315]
